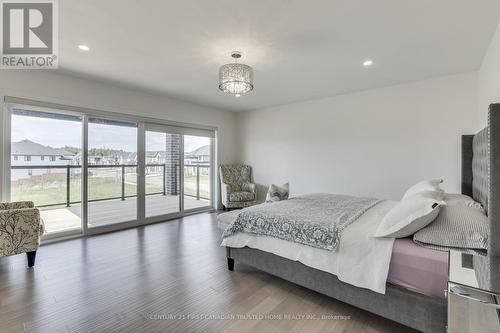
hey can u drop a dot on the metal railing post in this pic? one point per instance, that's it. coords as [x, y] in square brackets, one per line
[197, 182]
[68, 182]
[123, 182]
[164, 179]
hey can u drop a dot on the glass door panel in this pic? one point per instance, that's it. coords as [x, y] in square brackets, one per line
[162, 172]
[47, 147]
[45, 166]
[197, 172]
[112, 172]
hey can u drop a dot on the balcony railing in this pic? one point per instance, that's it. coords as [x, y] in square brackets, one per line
[202, 181]
[196, 181]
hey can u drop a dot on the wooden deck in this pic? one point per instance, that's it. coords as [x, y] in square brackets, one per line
[57, 219]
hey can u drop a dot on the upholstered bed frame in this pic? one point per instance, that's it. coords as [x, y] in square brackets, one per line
[480, 179]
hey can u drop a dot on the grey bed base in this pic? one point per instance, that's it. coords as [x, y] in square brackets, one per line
[480, 179]
[421, 312]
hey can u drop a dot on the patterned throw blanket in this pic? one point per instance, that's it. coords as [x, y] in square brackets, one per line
[316, 220]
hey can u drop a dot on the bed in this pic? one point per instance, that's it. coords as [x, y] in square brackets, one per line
[406, 300]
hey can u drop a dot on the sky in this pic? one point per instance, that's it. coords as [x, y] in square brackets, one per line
[59, 133]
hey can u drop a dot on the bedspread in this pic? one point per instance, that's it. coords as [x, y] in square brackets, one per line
[315, 220]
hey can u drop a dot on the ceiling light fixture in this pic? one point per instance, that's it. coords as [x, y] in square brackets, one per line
[367, 63]
[83, 47]
[235, 78]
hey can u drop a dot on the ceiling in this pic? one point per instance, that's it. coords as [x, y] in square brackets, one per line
[299, 49]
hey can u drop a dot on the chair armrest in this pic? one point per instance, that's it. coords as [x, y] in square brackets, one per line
[16, 205]
[19, 230]
[249, 187]
[25, 218]
[225, 187]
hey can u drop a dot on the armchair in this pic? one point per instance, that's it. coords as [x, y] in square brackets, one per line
[237, 189]
[20, 229]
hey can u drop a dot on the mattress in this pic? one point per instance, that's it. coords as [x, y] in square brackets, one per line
[411, 266]
[419, 269]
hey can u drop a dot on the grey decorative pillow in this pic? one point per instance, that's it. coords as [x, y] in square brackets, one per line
[452, 199]
[277, 193]
[456, 226]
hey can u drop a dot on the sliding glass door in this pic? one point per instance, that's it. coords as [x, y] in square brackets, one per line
[178, 170]
[162, 171]
[111, 172]
[45, 168]
[90, 172]
[197, 172]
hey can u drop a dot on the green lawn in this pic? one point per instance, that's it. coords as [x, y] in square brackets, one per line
[190, 186]
[50, 189]
[54, 192]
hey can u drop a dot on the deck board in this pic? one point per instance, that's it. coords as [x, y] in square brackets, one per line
[57, 219]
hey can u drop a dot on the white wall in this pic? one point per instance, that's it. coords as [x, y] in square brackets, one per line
[49, 86]
[489, 78]
[372, 143]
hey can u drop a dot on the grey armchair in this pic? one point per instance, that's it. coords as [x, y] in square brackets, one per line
[237, 189]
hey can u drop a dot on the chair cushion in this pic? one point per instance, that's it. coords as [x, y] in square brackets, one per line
[241, 196]
[235, 175]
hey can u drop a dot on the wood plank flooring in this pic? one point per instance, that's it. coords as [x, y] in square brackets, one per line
[166, 277]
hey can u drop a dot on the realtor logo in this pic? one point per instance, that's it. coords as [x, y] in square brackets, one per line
[29, 34]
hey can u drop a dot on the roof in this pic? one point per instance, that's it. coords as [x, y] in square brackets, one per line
[151, 153]
[202, 151]
[27, 147]
[129, 155]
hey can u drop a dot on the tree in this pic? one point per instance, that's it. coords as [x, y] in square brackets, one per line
[71, 149]
[104, 152]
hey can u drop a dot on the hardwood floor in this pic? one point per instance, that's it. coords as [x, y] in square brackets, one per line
[149, 279]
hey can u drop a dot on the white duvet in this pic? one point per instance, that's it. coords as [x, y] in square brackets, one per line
[361, 260]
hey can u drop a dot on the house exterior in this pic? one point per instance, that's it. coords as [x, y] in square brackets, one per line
[126, 158]
[27, 153]
[196, 157]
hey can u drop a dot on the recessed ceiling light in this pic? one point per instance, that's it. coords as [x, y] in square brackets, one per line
[83, 47]
[367, 63]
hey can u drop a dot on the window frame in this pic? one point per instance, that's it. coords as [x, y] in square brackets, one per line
[10, 103]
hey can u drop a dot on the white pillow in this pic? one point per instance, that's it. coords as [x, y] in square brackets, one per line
[425, 185]
[439, 196]
[410, 215]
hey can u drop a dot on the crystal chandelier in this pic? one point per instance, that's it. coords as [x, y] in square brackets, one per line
[236, 79]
